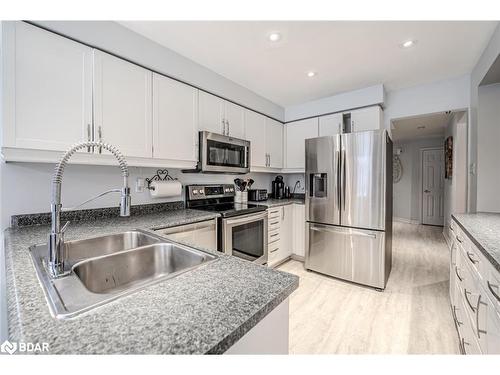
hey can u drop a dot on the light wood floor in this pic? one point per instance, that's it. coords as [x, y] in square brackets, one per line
[411, 316]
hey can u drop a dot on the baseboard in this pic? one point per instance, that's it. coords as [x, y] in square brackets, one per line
[404, 220]
[298, 258]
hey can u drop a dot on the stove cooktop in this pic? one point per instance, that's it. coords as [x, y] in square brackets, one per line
[232, 209]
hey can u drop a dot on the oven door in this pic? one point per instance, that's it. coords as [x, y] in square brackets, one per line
[223, 154]
[246, 237]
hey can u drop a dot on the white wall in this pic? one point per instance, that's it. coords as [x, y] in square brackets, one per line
[407, 193]
[117, 39]
[26, 187]
[488, 153]
[455, 189]
[484, 63]
[453, 94]
[372, 95]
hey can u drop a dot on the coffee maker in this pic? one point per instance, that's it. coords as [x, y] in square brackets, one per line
[278, 188]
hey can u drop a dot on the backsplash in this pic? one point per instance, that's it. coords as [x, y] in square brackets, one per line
[18, 221]
[26, 187]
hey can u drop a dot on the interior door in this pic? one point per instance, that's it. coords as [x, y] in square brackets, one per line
[362, 180]
[322, 194]
[326, 250]
[123, 105]
[433, 187]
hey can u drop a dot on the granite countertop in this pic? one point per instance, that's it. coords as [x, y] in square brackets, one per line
[203, 311]
[271, 202]
[483, 228]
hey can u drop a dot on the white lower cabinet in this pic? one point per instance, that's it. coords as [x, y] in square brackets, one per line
[299, 230]
[283, 239]
[475, 309]
[175, 111]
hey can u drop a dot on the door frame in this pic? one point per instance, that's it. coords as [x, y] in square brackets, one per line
[421, 193]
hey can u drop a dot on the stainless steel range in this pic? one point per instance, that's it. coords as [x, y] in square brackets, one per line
[242, 228]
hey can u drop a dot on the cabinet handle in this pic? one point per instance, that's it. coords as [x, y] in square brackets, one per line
[89, 136]
[274, 235]
[470, 256]
[453, 230]
[352, 126]
[276, 222]
[455, 317]
[490, 287]
[272, 251]
[227, 124]
[466, 293]
[456, 273]
[100, 138]
[479, 331]
[458, 239]
[223, 127]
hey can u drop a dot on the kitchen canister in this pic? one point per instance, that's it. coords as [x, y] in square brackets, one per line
[241, 197]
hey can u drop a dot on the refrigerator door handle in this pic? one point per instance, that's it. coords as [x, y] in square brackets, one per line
[343, 178]
[338, 180]
[346, 231]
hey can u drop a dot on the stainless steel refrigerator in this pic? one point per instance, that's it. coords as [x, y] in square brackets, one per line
[349, 206]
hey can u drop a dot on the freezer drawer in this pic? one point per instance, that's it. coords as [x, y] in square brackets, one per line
[350, 254]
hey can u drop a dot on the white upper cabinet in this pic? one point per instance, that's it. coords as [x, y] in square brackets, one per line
[48, 89]
[370, 118]
[123, 105]
[234, 116]
[274, 143]
[175, 120]
[255, 130]
[211, 113]
[330, 124]
[220, 116]
[296, 134]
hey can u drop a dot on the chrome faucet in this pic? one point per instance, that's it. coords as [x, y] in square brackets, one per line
[57, 254]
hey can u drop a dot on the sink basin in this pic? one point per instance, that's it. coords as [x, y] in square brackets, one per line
[108, 267]
[98, 246]
[131, 268]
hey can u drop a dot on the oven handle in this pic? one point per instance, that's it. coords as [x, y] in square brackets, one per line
[246, 219]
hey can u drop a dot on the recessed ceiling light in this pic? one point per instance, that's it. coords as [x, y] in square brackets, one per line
[274, 37]
[408, 43]
[311, 74]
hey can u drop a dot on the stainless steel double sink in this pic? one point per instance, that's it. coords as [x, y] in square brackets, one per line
[108, 267]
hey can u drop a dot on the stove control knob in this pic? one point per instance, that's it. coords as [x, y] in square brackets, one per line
[195, 192]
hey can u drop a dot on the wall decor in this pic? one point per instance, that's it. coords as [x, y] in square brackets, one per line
[448, 157]
[397, 169]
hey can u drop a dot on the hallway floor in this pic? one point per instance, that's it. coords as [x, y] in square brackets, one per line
[412, 316]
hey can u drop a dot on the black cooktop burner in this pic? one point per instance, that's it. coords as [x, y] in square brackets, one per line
[232, 209]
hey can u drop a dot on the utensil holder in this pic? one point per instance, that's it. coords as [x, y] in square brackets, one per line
[241, 197]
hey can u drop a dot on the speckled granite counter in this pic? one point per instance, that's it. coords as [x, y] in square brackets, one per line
[484, 231]
[203, 311]
[278, 202]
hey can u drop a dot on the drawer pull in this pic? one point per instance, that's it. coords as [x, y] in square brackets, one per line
[490, 287]
[471, 258]
[272, 251]
[455, 317]
[458, 239]
[453, 230]
[479, 331]
[466, 293]
[456, 273]
[274, 235]
[276, 222]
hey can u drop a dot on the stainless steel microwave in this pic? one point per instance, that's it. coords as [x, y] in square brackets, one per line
[223, 154]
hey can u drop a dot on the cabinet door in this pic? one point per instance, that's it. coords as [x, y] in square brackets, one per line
[175, 119]
[299, 231]
[123, 105]
[211, 113]
[48, 89]
[330, 124]
[255, 131]
[366, 119]
[274, 143]
[296, 134]
[235, 120]
[286, 232]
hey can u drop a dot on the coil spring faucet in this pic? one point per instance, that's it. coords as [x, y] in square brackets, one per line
[57, 254]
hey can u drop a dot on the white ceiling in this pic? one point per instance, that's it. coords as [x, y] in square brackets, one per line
[346, 54]
[408, 129]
